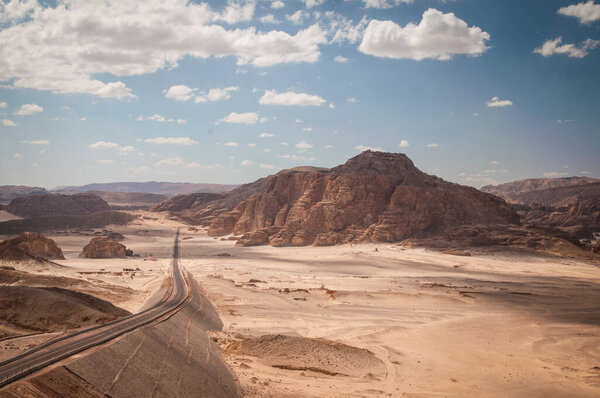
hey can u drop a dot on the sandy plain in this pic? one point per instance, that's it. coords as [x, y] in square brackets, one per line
[428, 324]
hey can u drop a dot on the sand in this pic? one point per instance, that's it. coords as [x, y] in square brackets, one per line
[434, 324]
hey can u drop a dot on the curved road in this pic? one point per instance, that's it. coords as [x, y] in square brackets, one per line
[66, 346]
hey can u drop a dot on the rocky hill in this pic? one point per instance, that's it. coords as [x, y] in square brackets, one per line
[374, 197]
[57, 205]
[513, 192]
[10, 192]
[30, 245]
[101, 247]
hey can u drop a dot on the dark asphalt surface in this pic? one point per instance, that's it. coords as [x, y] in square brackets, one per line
[64, 347]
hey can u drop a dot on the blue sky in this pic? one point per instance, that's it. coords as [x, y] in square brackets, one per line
[474, 91]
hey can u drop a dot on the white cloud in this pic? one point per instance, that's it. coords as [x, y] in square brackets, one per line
[63, 48]
[565, 121]
[246, 163]
[328, 146]
[171, 162]
[363, 148]
[171, 141]
[8, 123]
[139, 170]
[586, 12]
[433, 145]
[269, 18]
[297, 17]
[299, 121]
[3, 105]
[181, 121]
[284, 144]
[313, 3]
[307, 129]
[277, 4]
[352, 100]
[303, 145]
[39, 142]
[438, 36]
[123, 150]
[272, 97]
[404, 144]
[266, 135]
[494, 162]
[331, 105]
[551, 47]
[236, 12]
[104, 145]
[251, 145]
[241, 118]
[155, 117]
[266, 150]
[231, 144]
[497, 102]
[217, 94]
[585, 172]
[17, 156]
[105, 161]
[28, 109]
[384, 3]
[266, 166]
[343, 30]
[286, 156]
[340, 59]
[555, 174]
[180, 92]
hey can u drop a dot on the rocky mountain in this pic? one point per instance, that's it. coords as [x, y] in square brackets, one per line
[162, 188]
[10, 192]
[30, 245]
[130, 200]
[57, 205]
[184, 202]
[513, 192]
[374, 197]
[101, 247]
[565, 207]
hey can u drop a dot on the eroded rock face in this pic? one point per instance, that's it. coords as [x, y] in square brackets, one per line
[30, 245]
[374, 197]
[101, 247]
[57, 205]
[183, 202]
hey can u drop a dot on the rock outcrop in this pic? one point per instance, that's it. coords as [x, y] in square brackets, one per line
[30, 245]
[10, 192]
[57, 205]
[183, 202]
[374, 197]
[101, 247]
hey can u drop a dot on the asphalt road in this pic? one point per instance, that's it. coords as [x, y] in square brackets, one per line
[64, 347]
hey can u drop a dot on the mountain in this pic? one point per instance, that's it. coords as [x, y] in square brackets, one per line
[162, 188]
[567, 207]
[57, 205]
[10, 192]
[513, 191]
[373, 197]
[130, 200]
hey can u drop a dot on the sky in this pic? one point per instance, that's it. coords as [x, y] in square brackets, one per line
[475, 91]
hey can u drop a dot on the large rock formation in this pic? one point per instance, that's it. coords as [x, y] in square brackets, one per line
[374, 197]
[183, 202]
[30, 245]
[570, 208]
[57, 205]
[101, 247]
[10, 192]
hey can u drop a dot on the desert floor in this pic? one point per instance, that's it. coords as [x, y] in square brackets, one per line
[430, 324]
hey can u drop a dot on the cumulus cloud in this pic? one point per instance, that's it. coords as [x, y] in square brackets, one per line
[265, 135]
[8, 123]
[438, 36]
[555, 174]
[277, 4]
[313, 3]
[103, 145]
[498, 103]
[586, 12]
[404, 144]
[343, 30]
[433, 145]
[297, 17]
[217, 94]
[266, 166]
[363, 148]
[341, 59]
[231, 144]
[241, 118]
[272, 97]
[64, 47]
[3, 105]
[384, 3]
[269, 18]
[171, 141]
[303, 145]
[28, 109]
[39, 142]
[180, 92]
[307, 129]
[246, 163]
[17, 156]
[494, 162]
[352, 100]
[551, 47]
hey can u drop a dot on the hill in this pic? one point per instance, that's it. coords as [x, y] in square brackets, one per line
[513, 191]
[10, 192]
[57, 205]
[162, 188]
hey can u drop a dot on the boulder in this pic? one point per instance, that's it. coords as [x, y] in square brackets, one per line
[30, 245]
[101, 247]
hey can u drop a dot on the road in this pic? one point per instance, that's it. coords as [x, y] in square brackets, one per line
[66, 346]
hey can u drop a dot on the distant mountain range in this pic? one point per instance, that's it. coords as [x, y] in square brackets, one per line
[163, 188]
